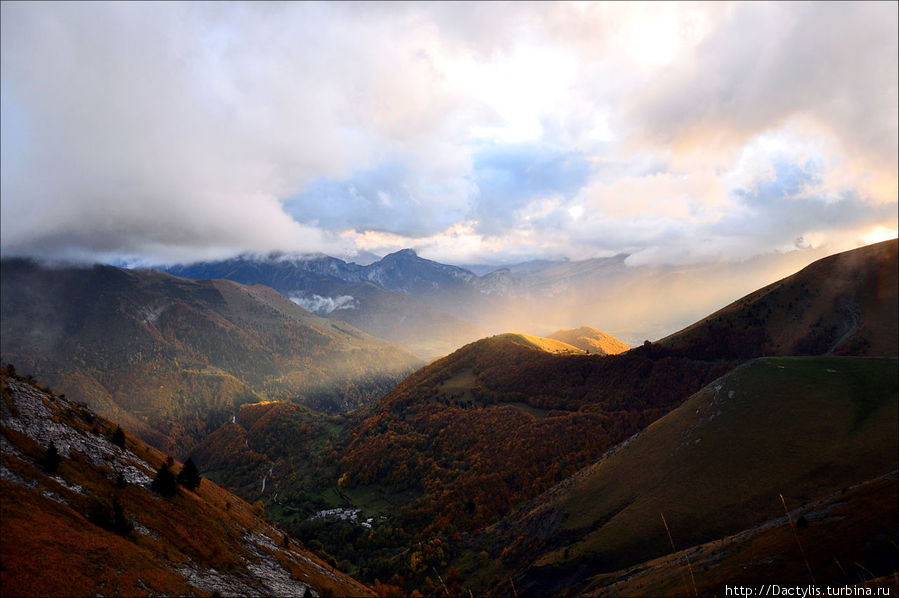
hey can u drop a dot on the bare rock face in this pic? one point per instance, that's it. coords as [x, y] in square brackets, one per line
[33, 415]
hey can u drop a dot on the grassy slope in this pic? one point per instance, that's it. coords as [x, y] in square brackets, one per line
[845, 304]
[590, 339]
[849, 537]
[802, 427]
[550, 345]
[50, 548]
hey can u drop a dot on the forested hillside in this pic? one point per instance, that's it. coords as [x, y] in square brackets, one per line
[173, 358]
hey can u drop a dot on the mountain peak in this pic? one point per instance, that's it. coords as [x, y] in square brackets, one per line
[402, 253]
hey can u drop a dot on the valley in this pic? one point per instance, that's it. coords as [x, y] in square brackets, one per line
[449, 299]
[525, 465]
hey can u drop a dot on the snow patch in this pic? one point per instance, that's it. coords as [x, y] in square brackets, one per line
[73, 487]
[145, 531]
[53, 497]
[324, 305]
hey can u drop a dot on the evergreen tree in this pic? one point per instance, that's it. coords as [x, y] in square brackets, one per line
[165, 482]
[51, 459]
[121, 524]
[189, 476]
[118, 437]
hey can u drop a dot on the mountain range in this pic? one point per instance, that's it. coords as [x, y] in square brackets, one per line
[451, 451]
[388, 298]
[756, 445]
[433, 308]
[173, 358]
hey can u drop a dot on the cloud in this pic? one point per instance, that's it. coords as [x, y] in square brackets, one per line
[133, 129]
[471, 132]
[829, 66]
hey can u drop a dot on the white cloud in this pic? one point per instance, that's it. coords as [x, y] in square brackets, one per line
[187, 131]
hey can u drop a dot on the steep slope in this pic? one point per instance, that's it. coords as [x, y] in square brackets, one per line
[373, 298]
[87, 522]
[172, 357]
[803, 428]
[591, 340]
[463, 441]
[845, 539]
[450, 449]
[843, 304]
[274, 450]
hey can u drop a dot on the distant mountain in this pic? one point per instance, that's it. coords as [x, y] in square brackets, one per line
[172, 358]
[379, 298]
[776, 432]
[591, 340]
[406, 299]
[79, 517]
[844, 304]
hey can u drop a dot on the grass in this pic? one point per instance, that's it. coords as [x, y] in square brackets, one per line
[865, 382]
[549, 345]
[845, 536]
[803, 427]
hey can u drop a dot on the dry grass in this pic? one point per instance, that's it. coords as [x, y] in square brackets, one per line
[50, 548]
[803, 427]
[845, 537]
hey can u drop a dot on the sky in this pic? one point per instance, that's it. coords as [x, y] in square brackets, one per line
[677, 133]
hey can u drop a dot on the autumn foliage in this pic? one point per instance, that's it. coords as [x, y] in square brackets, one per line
[498, 422]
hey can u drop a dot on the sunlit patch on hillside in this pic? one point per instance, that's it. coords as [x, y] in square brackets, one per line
[544, 344]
